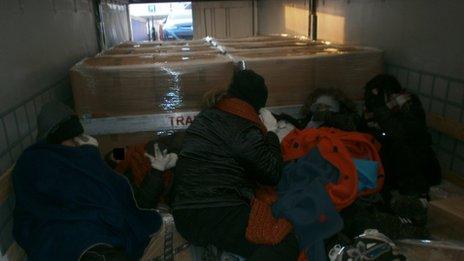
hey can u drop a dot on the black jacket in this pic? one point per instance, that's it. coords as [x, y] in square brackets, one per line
[223, 157]
[410, 163]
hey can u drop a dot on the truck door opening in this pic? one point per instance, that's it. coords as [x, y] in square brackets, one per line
[161, 21]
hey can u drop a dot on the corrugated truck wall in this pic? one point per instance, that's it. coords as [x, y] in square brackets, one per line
[423, 43]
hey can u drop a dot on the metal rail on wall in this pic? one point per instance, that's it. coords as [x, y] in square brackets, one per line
[160, 122]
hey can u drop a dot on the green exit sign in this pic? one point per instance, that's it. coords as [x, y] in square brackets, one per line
[151, 8]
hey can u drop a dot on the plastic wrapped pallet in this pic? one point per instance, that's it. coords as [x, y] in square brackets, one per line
[163, 43]
[256, 39]
[262, 38]
[134, 85]
[292, 73]
[170, 49]
[237, 46]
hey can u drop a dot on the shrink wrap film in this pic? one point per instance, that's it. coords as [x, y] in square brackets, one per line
[199, 42]
[291, 74]
[174, 77]
[114, 86]
[171, 49]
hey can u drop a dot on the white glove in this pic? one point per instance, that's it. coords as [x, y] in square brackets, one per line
[268, 119]
[86, 140]
[283, 129]
[162, 160]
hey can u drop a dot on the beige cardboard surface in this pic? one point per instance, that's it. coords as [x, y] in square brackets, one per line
[159, 49]
[291, 74]
[199, 42]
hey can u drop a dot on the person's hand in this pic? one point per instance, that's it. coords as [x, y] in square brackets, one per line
[86, 140]
[268, 119]
[162, 160]
[283, 129]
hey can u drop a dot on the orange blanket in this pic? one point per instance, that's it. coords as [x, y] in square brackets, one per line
[336, 146]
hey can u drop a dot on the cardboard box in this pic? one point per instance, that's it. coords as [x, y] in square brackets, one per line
[160, 49]
[256, 39]
[129, 44]
[291, 74]
[134, 81]
[261, 38]
[236, 46]
[136, 85]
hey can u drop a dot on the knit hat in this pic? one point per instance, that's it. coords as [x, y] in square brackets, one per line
[249, 87]
[56, 123]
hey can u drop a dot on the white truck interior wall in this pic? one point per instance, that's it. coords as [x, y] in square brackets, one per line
[115, 23]
[40, 41]
[223, 19]
[426, 35]
[283, 17]
[424, 45]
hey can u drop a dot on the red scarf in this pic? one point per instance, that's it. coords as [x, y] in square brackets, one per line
[241, 109]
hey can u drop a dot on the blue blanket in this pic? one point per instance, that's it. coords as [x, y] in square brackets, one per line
[68, 199]
[304, 201]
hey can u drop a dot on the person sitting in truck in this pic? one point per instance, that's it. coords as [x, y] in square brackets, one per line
[397, 119]
[324, 107]
[148, 176]
[228, 151]
[69, 204]
[330, 107]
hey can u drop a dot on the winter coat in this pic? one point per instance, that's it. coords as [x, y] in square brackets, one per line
[410, 163]
[223, 158]
[304, 201]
